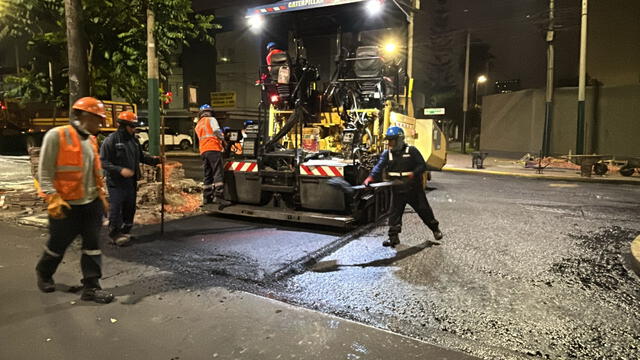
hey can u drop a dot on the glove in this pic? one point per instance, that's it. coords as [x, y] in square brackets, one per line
[105, 203]
[56, 206]
[368, 180]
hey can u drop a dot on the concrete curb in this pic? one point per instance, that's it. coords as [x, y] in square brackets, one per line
[635, 255]
[543, 176]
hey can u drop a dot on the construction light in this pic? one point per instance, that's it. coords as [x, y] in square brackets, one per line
[274, 98]
[390, 48]
[255, 22]
[482, 79]
[374, 7]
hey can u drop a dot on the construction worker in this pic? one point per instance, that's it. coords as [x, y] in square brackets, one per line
[121, 155]
[70, 180]
[405, 165]
[211, 141]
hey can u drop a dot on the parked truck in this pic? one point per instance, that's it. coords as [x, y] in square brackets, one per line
[24, 125]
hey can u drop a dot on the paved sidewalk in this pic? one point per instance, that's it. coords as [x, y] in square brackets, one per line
[458, 162]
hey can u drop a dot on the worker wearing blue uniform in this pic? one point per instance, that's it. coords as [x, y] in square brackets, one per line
[405, 164]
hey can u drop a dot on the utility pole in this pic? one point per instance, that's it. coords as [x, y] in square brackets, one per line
[78, 68]
[465, 95]
[582, 80]
[548, 111]
[410, 29]
[153, 102]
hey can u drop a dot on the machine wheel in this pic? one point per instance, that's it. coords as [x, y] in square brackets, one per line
[627, 171]
[185, 144]
[600, 168]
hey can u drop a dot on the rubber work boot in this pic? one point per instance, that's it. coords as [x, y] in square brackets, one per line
[120, 239]
[393, 241]
[96, 294]
[437, 234]
[45, 284]
[220, 201]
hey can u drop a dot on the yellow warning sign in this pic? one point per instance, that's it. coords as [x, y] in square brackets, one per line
[223, 99]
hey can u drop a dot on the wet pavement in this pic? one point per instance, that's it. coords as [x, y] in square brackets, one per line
[527, 269]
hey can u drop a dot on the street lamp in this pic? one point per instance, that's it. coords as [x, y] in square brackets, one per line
[480, 80]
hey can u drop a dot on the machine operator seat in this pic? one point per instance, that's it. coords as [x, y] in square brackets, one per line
[280, 73]
[369, 69]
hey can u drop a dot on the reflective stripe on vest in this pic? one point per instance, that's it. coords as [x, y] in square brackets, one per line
[406, 151]
[208, 140]
[400, 174]
[68, 179]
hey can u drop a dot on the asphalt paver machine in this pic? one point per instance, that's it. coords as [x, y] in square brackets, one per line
[313, 131]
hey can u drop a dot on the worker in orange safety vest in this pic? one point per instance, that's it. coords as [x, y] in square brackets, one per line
[211, 140]
[70, 180]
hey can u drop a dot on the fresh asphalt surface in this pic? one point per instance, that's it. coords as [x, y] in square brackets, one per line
[527, 268]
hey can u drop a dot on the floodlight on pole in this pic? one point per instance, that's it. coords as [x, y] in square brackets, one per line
[374, 7]
[255, 22]
[482, 79]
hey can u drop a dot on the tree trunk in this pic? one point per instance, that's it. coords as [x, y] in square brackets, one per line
[76, 50]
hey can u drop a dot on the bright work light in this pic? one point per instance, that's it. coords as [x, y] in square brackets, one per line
[255, 22]
[374, 7]
[390, 48]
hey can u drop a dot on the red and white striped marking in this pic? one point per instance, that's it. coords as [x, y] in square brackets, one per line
[322, 170]
[244, 166]
[271, 9]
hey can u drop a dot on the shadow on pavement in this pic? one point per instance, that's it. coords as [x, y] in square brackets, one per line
[332, 265]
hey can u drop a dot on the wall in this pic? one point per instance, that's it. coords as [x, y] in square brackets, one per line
[513, 123]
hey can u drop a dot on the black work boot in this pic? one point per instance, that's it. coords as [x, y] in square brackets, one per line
[120, 239]
[96, 295]
[437, 234]
[45, 283]
[93, 292]
[393, 241]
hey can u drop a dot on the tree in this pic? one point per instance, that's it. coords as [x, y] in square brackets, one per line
[116, 39]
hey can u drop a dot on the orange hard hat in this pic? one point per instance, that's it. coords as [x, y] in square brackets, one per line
[90, 105]
[128, 118]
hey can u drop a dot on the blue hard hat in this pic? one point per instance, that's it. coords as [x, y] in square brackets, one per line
[248, 122]
[206, 107]
[394, 132]
[270, 45]
[225, 129]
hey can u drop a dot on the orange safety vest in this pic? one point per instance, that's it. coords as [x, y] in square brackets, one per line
[68, 177]
[208, 140]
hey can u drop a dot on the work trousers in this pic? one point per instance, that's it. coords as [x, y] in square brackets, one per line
[122, 209]
[84, 220]
[410, 192]
[213, 174]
